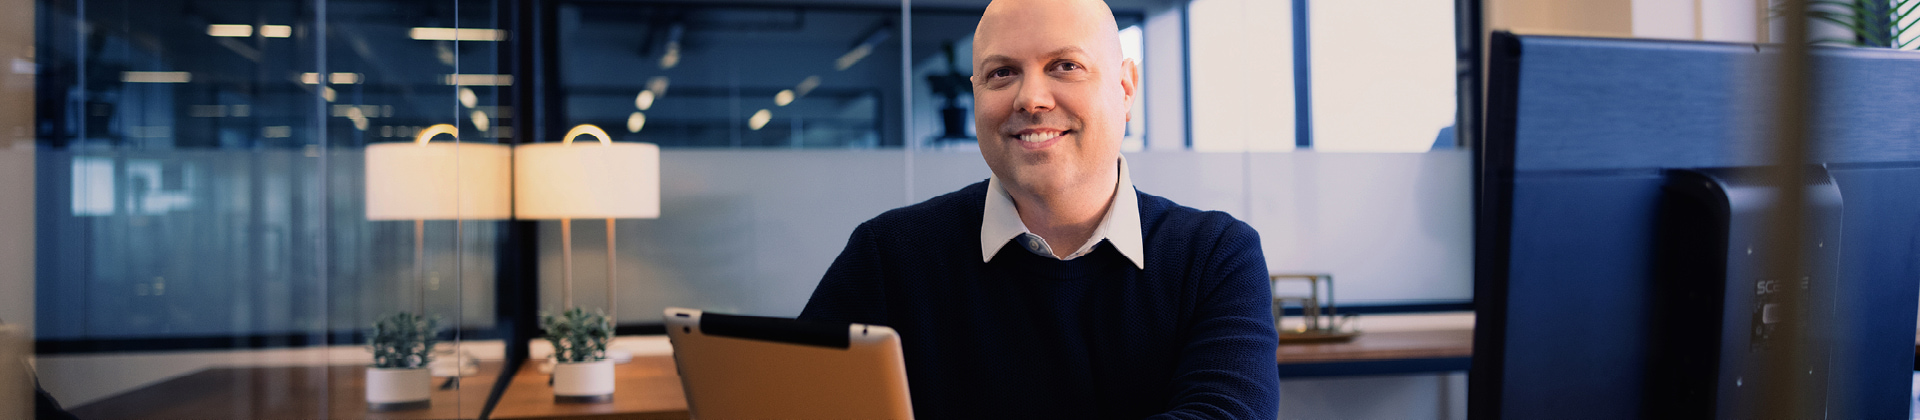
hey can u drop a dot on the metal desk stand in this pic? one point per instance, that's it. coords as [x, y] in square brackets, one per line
[1321, 324]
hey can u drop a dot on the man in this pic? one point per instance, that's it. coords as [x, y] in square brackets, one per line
[1054, 289]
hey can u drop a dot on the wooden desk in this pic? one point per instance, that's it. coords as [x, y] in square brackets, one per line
[1380, 353]
[289, 392]
[646, 388]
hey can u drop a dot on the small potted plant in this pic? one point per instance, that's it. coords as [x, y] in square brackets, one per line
[402, 346]
[582, 372]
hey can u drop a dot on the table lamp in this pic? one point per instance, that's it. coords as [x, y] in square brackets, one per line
[605, 181]
[421, 180]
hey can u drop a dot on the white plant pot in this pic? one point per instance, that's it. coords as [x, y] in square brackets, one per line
[391, 389]
[583, 381]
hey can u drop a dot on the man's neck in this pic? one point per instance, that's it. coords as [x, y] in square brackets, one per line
[1067, 217]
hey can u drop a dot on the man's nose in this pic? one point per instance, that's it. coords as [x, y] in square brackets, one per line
[1034, 97]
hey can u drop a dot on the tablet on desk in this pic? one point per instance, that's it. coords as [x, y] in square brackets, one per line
[734, 366]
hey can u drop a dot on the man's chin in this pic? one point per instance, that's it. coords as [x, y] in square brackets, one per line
[1042, 181]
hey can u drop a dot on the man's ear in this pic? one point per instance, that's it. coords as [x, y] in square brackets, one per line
[1130, 82]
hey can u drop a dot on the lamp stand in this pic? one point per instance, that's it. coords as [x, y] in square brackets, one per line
[566, 261]
[612, 298]
[420, 266]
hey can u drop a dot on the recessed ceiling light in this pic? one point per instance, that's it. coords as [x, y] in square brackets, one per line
[644, 101]
[478, 80]
[155, 77]
[230, 31]
[636, 121]
[457, 34]
[276, 31]
[759, 119]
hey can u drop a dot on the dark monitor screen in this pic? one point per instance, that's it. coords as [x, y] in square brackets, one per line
[1586, 146]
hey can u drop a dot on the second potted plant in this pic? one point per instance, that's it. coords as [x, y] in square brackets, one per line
[402, 346]
[583, 373]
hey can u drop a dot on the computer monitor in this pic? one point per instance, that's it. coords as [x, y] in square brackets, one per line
[1596, 284]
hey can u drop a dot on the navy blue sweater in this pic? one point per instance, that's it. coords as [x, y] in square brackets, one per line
[1024, 336]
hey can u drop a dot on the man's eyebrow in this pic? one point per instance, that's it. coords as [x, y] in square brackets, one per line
[1070, 49]
[1063, 51]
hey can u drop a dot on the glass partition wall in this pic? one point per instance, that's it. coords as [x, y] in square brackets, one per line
[216, 185]
[231, 187]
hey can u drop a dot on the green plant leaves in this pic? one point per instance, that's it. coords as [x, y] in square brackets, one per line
[577, 335]
[1871, 26]
[403, 340]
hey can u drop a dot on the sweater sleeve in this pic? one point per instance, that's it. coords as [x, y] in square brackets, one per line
[853, 289]
[1227, 368]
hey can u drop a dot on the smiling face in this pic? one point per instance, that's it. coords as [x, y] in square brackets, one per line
[1051, 94]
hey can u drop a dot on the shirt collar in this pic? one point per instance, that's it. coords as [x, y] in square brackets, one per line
[1121, 225]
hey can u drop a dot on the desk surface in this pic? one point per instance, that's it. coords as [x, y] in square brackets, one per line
[1383, 345]
[283, 392]
[647, 388]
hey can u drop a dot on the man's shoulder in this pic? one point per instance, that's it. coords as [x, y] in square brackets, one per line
[960, 207]
[1160, 210]
[1163, 220]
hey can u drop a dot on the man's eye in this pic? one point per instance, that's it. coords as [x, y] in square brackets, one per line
[1069, 66]
[1000, 72]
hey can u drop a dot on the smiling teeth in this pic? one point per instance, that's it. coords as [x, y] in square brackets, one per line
[1038, 137]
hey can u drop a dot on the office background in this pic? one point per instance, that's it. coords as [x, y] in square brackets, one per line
[195, 168]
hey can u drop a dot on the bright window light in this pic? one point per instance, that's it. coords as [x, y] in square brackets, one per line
[230, 31]
[1131, 41]
[457, 34]
[1382, 91]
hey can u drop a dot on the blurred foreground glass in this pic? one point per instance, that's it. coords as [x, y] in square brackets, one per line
[200, 183]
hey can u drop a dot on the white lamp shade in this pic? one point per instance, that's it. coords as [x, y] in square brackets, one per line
[416, 181]
[589, 180]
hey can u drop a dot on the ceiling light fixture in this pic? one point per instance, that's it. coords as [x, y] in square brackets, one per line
[644, 101]
[658, 84]
[334, 78]
[155, 77]
[864, 46]
[457, 34]
[468, 98]
[806, 86]
[230, 31]
[480, 120]
[478, 80]
[759, 119]
[636, 121]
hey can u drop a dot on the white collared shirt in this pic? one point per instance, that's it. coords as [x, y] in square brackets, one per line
[1121, 225]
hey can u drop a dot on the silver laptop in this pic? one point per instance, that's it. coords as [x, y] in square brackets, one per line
[742, 367]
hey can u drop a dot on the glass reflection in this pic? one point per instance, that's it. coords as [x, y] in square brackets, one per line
[200, 185]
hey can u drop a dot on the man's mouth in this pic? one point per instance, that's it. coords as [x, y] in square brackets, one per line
[1040, 136]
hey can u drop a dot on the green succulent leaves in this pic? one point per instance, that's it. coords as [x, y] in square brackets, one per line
[578, 336]
[404, 340]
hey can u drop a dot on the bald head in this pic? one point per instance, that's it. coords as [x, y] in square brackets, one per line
[1089, 22]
